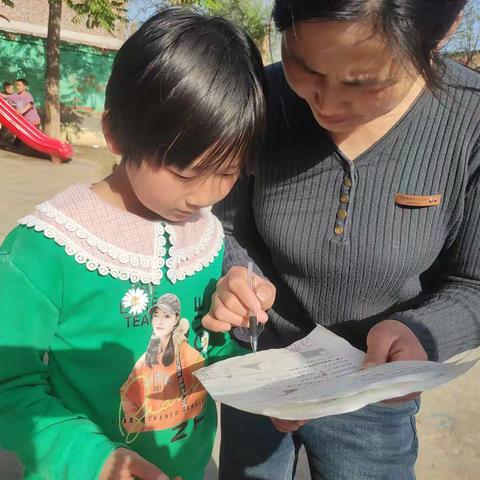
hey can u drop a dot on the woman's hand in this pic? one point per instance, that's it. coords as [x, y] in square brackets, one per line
[233, 299]
[124, 464]
[392, 341]
[287, 426]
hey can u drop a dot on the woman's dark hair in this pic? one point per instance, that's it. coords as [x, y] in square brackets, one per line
[186, 86]
[412, 28]
[6, 85]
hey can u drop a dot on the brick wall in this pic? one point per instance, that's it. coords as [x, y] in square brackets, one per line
[36, 12]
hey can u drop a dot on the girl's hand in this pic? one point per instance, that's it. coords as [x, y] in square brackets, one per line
[287, 426]
[124, 464]
[234, 298]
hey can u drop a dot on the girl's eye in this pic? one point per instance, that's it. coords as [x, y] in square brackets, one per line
[182, 177]
[228, 173]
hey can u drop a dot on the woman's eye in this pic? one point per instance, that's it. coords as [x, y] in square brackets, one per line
[313, 73]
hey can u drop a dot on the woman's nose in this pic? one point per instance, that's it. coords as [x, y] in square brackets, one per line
[329, 96]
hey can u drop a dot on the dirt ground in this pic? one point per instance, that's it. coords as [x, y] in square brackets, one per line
[449, 421]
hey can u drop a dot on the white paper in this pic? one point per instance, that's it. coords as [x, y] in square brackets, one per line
[317, 376]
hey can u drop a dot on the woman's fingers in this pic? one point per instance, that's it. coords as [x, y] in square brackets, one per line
[288, 426]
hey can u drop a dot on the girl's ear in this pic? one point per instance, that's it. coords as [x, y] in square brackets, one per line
[112, 145]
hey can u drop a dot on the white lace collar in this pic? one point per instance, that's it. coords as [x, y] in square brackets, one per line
[118, 243]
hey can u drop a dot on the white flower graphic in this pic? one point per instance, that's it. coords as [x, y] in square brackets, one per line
[136, 300]
[204, 341]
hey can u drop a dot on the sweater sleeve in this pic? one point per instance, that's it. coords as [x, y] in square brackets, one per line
[242, 245]
[447, 321]
[50, 440]
[242, 241]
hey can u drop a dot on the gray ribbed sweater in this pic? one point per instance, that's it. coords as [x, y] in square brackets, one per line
[330, 235]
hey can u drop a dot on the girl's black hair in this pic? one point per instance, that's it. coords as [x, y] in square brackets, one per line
[186, 86]
[7, 84]
[413, 29]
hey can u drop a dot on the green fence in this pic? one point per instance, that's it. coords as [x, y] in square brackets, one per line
[84, 70]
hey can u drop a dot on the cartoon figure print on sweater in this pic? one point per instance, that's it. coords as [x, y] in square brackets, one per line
[161, 391]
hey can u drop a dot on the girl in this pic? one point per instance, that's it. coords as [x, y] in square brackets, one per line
[365, 214]
[80, 275]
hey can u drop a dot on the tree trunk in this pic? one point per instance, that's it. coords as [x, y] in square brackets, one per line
[52, 73]
[265, 47]
[469, 59]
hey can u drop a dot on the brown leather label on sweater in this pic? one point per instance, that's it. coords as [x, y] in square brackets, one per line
[417, 200]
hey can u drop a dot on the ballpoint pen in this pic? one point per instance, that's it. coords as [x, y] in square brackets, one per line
[252, 316]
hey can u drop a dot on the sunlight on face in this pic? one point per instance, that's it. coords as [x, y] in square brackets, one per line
[344, 71]
[177, 194]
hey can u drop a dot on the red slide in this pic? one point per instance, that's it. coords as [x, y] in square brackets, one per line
[59, 151]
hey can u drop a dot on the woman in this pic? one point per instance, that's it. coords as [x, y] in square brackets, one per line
[364, 213]
[161, 391]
